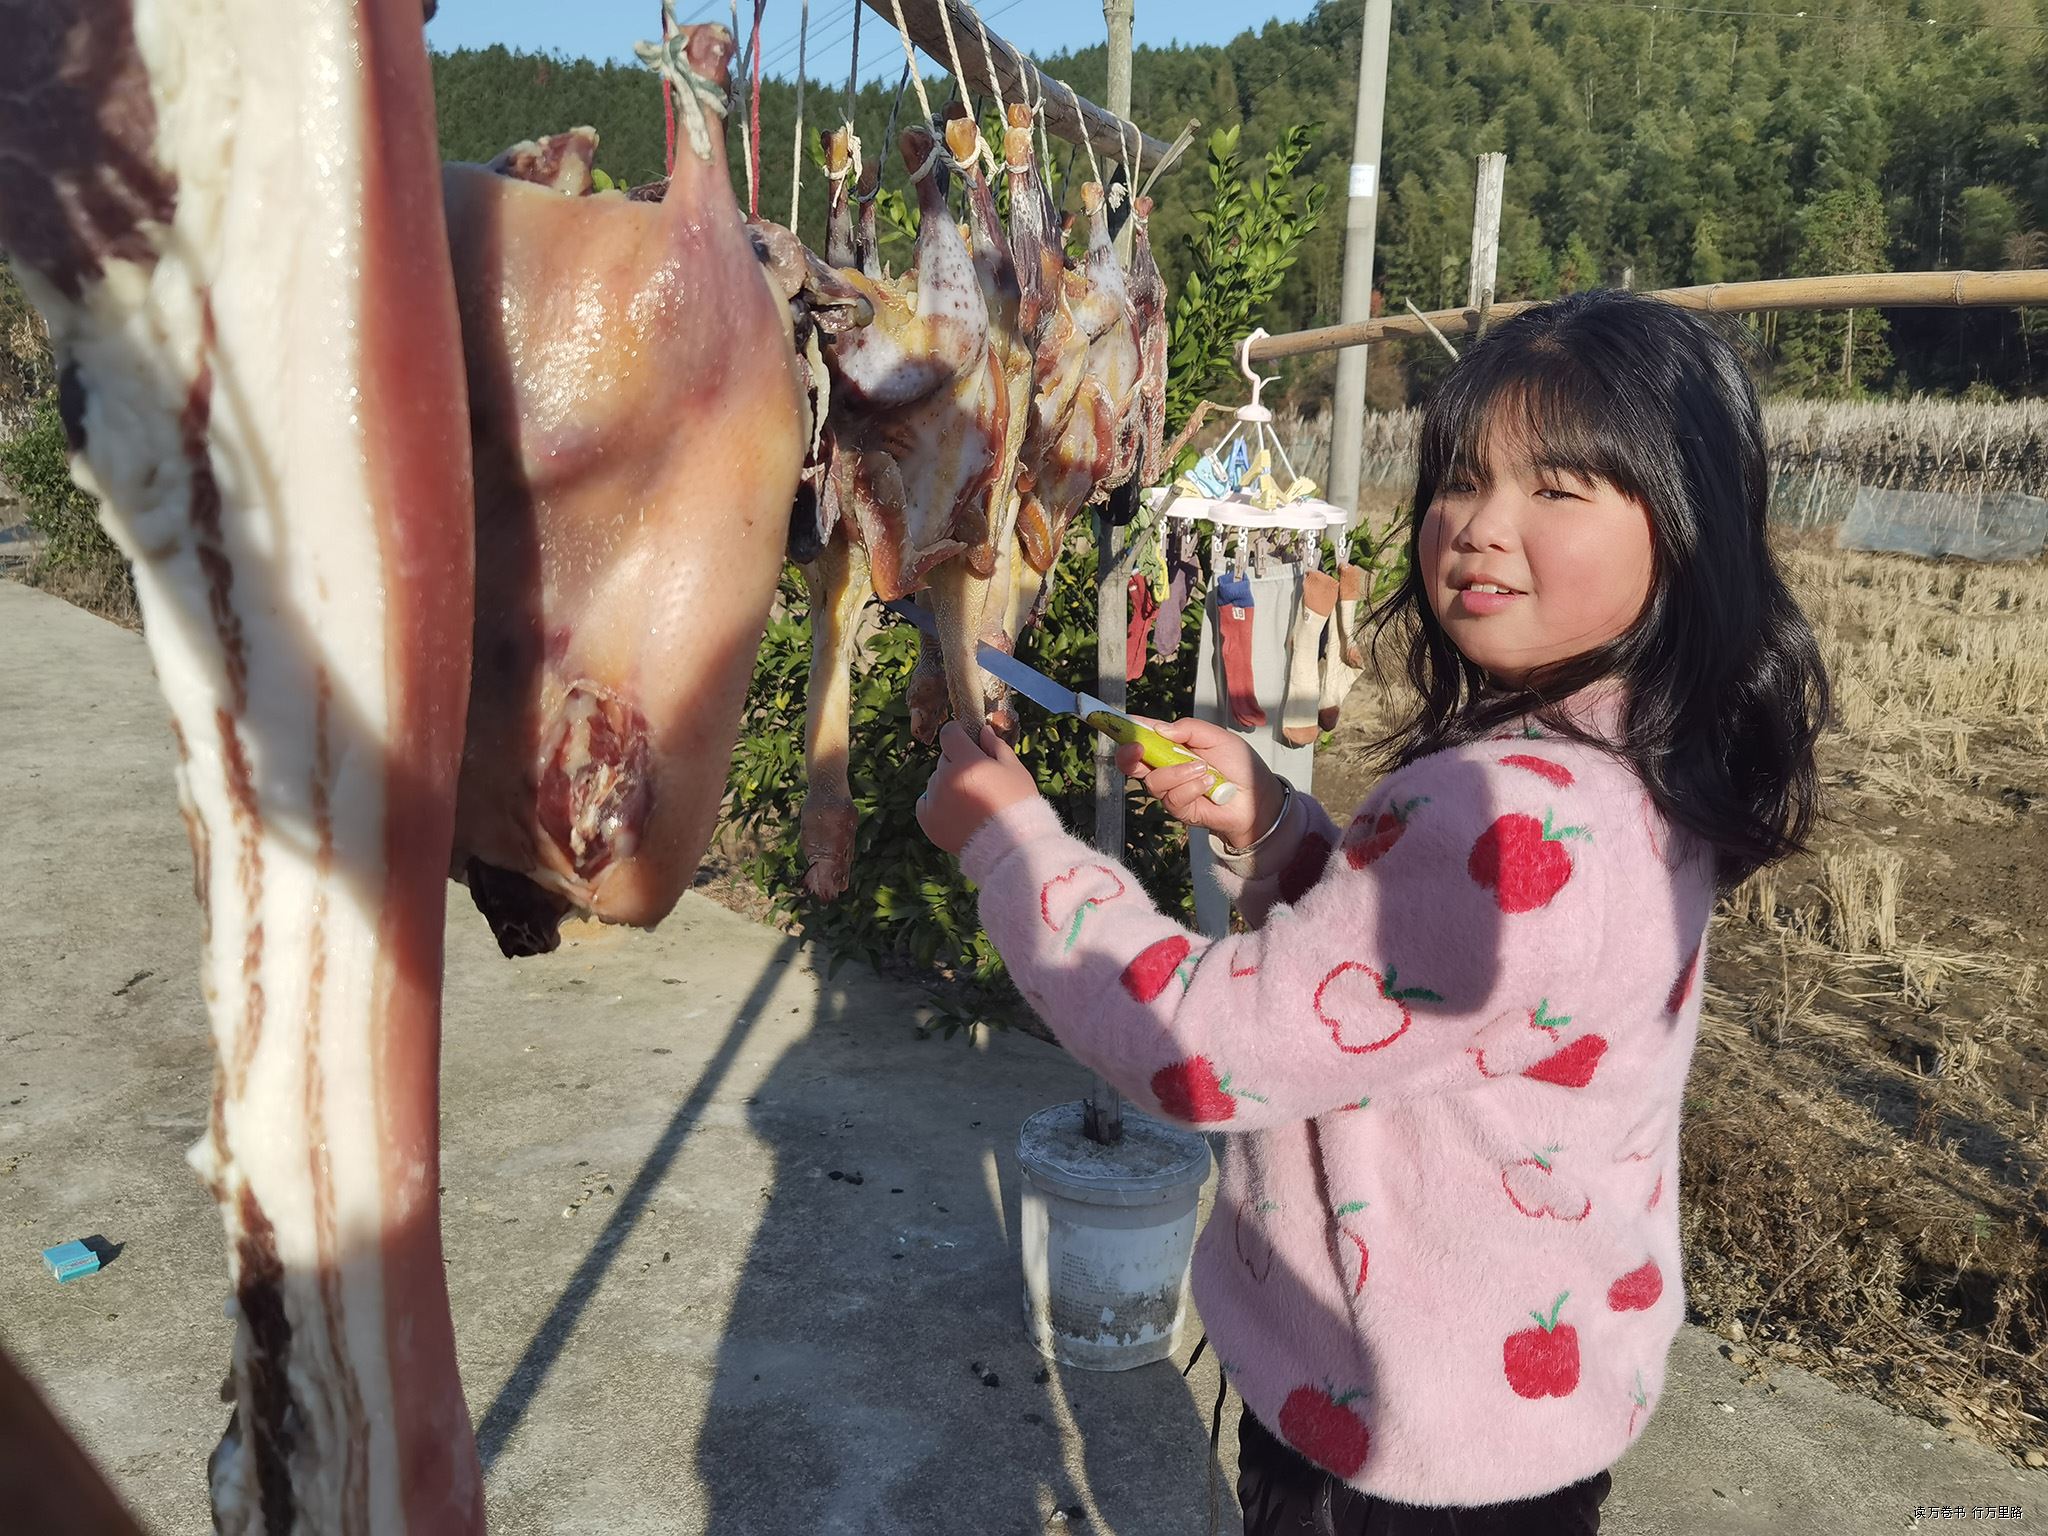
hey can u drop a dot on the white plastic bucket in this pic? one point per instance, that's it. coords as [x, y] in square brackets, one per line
[1106, 1235]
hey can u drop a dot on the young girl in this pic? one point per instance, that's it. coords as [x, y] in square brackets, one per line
[1443, 1270]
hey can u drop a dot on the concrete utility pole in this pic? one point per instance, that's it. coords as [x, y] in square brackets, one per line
[1347, 422]
[1103, 1116]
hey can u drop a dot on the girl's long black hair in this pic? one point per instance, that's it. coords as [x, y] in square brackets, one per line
[1724, 686]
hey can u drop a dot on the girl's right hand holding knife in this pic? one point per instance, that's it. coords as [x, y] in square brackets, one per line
[1182, 788]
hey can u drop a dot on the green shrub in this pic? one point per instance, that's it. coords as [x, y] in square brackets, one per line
[909, 903]
[1244, 244]
[37, 464]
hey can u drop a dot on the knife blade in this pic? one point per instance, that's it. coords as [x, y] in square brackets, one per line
[1055, 699]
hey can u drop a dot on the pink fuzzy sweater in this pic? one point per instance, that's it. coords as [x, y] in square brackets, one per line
[1444, 1257]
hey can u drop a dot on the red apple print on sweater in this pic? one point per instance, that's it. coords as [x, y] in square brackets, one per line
[1655, 830]
[1523, 861]
[1370, 838]
[1254, 1250]
[1067, 899]
[1356, 1243]
[1316, 1422]
[1364, 1010]
[1525, 1041]
[1534, 1188]
[1571, 1067]
[1638, 1290]
[1543, 1361]
[1681, 989]
[1157, 964]
[1557, 773]
[1191, 1091]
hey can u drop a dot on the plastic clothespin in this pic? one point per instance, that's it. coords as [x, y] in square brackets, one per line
[1238, 467]
[1209, 479]
[1216, 566]
[1243, 552]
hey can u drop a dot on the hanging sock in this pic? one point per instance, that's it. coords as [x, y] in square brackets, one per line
[1181, 573]
[1345, 657]
[1234, 632]
[1151, 560]
[1352, 586]
[1143, 606]
[1298, 719]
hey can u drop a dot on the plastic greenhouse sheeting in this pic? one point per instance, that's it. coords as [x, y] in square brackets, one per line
[1971, 525]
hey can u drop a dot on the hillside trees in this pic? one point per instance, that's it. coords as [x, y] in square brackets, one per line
[1684, 145]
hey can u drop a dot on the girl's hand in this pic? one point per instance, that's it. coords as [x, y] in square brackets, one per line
[971, 785]
[1183, 787]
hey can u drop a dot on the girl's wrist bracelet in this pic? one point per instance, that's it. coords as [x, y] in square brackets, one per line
[1286, 799]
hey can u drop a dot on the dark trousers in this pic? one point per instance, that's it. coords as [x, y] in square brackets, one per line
[1285, 1495]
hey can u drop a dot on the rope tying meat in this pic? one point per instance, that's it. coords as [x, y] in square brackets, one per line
[671, 59]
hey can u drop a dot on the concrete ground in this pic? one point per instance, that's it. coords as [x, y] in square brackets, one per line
[672, 1317]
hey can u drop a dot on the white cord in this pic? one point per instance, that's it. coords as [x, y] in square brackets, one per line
[670, 59]
[796, 168]
[1081, 126]
[1119, 195]
[995, 81]
[910, 57]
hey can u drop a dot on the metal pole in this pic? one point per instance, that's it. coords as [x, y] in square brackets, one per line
[1347, 421]
[1103, 1114]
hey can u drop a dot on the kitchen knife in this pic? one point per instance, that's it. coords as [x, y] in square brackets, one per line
[1049, 695]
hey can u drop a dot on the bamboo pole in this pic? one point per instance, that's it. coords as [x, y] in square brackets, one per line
[1866, 290]
[1096, 125]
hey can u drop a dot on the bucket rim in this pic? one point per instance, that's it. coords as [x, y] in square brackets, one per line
[1107, 1186]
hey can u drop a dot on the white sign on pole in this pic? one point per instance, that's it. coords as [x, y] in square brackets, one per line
[1363, 178]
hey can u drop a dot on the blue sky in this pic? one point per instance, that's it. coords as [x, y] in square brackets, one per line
[609, 28]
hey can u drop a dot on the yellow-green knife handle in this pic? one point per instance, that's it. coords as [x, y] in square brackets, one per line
[1158, 751]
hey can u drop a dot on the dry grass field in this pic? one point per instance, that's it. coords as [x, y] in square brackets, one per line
[1866, 1144]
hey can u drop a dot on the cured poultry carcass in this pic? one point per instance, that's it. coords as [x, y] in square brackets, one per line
[1014, 353]
[638, 416]
[1082, 438]
[911, 485]
[827, 547]
[1148, 308]
[248, 289]
[918, 411]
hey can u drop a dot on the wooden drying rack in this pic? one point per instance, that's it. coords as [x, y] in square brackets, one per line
[1073, 119]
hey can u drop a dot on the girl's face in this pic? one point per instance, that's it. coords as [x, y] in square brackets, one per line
[1536, 565]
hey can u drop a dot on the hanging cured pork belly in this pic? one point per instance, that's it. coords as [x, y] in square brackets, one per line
[639, 416]
[247, 284]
